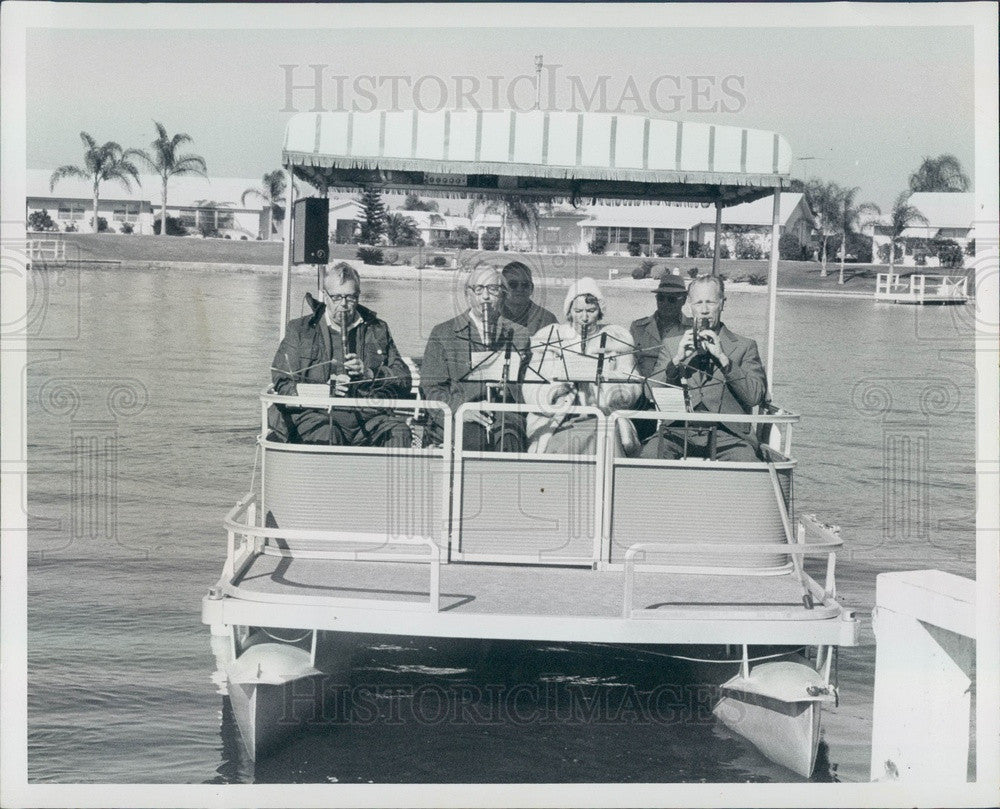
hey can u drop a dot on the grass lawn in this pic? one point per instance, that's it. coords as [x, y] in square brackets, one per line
[791, 274]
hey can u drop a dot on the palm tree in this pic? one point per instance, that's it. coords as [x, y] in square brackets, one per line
[903, 216]
[318, 177]
[271, 192]
[101, 164]
[167, 163]
[511, 208]
[823, 198]
[401, 230]
[941, 173]
[852, 217]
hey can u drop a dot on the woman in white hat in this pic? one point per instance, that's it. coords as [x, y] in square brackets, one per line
[583, 332]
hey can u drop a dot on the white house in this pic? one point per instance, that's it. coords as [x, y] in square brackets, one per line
[209, 204]
[675, 228]
[950, 215]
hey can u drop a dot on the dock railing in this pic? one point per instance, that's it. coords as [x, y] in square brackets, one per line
[919, 288]
[49, 250]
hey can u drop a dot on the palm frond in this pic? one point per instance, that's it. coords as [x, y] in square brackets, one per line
[66, 171]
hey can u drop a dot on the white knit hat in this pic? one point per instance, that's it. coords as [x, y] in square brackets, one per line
[584, 286]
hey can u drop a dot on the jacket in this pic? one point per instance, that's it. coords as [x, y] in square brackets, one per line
[649, 344]
[738, 390]
[311, 353]
[448, 360]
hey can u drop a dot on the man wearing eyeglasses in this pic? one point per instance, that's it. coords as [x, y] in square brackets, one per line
[518, 305]
[448, 361]
[346, 346]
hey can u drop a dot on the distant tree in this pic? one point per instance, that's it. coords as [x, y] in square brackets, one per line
[372, 217]
[824, 200]
[271, 192]
[401, 230]
[205, 216]
[167, 163]
[318, 177]
[903, 216]
[415, 203]
[511, 208]
[941, 173]
[851, 218]
[40, 220]
[174, 227]
[108, 162]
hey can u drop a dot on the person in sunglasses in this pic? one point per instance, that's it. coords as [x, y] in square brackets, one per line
[656, 338]
[660, 333]
[348, 347]
[518, 306]
[457, 346]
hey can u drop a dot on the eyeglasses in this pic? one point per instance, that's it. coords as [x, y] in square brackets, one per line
[519, 284]
[342, 298]
[493, 289]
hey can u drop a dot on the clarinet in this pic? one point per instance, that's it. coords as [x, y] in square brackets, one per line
[488, 340]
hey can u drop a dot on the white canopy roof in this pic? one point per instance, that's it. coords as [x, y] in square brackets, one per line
[541, 153]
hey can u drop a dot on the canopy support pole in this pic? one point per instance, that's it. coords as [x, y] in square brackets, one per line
[718, 238]
[772, 287]
[286, 253]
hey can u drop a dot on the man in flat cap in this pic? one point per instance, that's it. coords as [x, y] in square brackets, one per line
[656, 338]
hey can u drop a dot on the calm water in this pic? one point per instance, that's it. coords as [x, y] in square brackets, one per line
[142, 411]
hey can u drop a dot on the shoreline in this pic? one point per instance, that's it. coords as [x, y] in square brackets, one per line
[410, 273]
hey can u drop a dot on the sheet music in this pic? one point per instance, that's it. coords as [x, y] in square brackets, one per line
[487, 366]
[669, 398]
[583, 368]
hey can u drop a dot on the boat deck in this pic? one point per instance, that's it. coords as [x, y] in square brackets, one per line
[527, 602]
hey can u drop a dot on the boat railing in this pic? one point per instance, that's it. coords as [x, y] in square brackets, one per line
[531, 507]
[248, 540]
[376, 491]
[825, 540]
[528, 507]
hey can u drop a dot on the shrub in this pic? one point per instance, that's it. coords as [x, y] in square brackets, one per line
[758, 279]
[693, 272]
[970, 248]
[747, 247]
[102, 224]
[127, 228]
[662, 251]
[644, 270]
[491, 240]
[791, 249]
[370, 255]
[174, 227]
[439, 261]
[462, 238]
[70, 228]
[40, 220]
[598, 245]
[883, 253]
[244, 239]
[949, 253]
[635, 248]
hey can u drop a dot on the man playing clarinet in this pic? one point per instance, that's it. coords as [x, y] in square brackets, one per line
[346, 346]
[458, 346]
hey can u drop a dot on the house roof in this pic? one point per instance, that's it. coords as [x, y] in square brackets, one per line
[682, 217]
[185, 191]
[946, 210]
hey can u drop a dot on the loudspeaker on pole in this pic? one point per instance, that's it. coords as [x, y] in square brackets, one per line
[311, 231]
